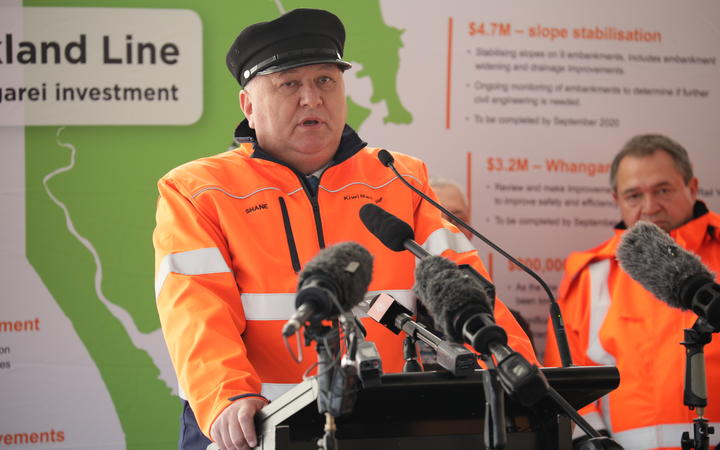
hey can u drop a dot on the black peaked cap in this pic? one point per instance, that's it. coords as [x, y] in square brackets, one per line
[298, 38]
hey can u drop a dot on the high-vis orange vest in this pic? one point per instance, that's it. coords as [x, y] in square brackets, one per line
[234, 230]
[612, 320]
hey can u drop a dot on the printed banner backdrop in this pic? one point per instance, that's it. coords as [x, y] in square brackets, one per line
[524, 104]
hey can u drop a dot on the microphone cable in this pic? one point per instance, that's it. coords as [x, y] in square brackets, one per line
[387, 160]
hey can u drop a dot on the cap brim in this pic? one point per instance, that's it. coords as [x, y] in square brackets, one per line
[344, 65]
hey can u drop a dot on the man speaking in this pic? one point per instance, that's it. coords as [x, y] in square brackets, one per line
[234, 230]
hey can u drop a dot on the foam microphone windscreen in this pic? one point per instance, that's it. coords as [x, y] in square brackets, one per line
[446, 292]
[651, 257]
[349, 267]
[391, 231]
[427, 269]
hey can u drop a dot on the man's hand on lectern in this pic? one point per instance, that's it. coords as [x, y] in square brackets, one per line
[234, 428]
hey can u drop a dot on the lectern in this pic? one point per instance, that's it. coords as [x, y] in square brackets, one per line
[431, 410]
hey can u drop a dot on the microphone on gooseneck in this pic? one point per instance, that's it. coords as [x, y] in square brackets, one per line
[555, 315]
[671, 273]
[334, 281]
[397, 235]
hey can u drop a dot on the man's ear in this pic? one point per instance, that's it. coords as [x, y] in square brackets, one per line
[693, 186]
[246, 106]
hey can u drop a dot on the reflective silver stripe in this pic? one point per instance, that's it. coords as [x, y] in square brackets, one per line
[242, 197]
[605, 411]
[282, 306]
[659, 436]
[443, 239]
[599, 306]
[272, 391]
[194, 262]
[594, 419]
[268, 306]
[368, 185]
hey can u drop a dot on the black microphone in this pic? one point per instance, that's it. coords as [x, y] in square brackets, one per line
[334, 281]
[387, 311]
[463, 313]
[394, 233]
[671, 273]
[387, 160]
[397, 235]
[452, 299]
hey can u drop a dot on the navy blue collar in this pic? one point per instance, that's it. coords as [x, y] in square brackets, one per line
[699, 209]
[350, 143]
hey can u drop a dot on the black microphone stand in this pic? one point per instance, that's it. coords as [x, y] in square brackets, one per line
[327, 346]
[523, 380]
[410, 355]
[555, 315]
[336, 384]
[495, 430]
[519, 377]
[695, 395]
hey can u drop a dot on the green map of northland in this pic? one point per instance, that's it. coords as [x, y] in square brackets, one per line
[109, 194]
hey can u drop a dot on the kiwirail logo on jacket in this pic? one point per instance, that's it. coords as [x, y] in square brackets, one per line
[357, 197]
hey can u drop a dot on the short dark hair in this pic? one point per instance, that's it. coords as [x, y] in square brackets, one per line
[646, 145]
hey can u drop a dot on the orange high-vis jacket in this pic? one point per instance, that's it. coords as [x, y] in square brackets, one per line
[234, 230]
[612, 320]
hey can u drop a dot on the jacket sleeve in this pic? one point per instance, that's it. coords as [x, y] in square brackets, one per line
[199, 305]
[441, 237]
[574, 301]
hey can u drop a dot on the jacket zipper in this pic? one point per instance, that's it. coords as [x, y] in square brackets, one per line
[294, 259]
[316, 214]
[313, 197]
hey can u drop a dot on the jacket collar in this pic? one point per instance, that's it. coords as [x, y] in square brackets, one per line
[699, 209]
[704, 226]
[691, 234]
[350, 143]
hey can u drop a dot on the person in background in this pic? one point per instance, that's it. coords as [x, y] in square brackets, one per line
[453, 198]
[235, 229]
[612, 320]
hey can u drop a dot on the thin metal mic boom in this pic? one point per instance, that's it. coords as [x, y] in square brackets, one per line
[555, 315]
